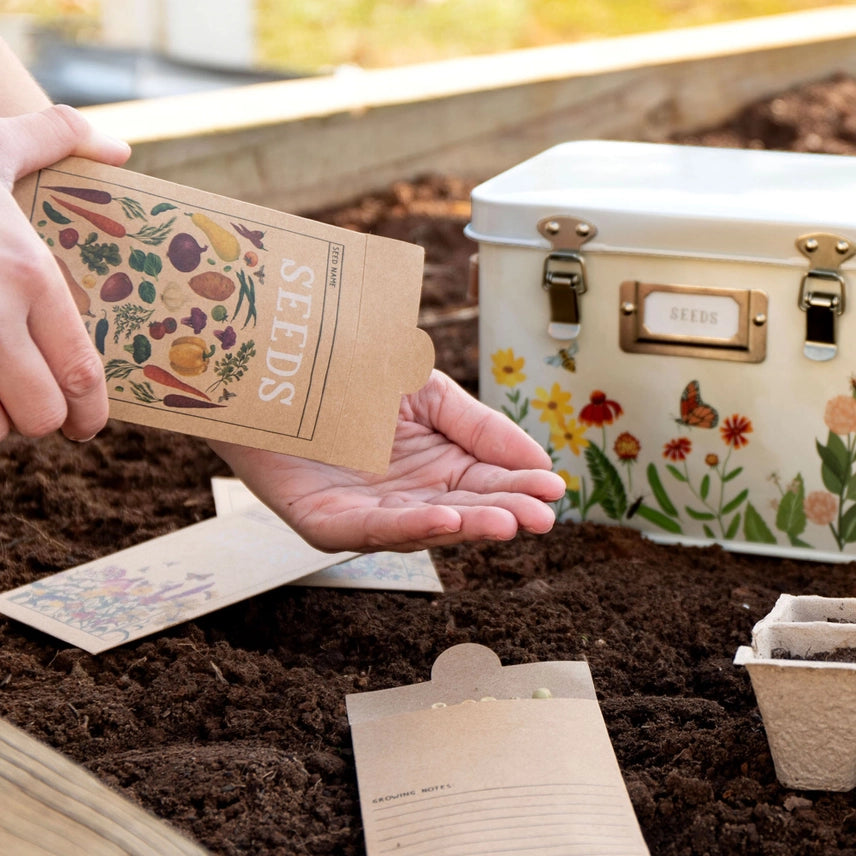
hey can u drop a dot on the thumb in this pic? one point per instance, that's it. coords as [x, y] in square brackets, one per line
[36, 140]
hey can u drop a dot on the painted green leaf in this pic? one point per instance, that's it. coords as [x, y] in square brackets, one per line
[754, 527]
[652, 515]
[847, 532]
[736, 502]
[137, 260]
[851, 488]
[733, 527]
[790, 517]
[733, 474]
[830, 480]
[660, 492]
[835, 469]
[709, 532]
[704, 488]
[699, 515]
[152, 265]
[676, 472]
[608, 485]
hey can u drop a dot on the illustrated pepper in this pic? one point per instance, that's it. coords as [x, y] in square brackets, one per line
[189, 356]
[101, 329]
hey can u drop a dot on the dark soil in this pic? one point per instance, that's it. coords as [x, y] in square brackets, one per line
[839, 655]
[233, 727]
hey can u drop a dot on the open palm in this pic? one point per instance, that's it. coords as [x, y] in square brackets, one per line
[459, 471]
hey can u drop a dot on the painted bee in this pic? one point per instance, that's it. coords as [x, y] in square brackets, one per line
[564, 358]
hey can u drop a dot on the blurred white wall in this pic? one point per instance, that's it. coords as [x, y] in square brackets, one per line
[211, 32]
[16, 31]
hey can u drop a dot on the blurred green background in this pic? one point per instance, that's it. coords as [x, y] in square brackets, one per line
[377, 33]
[315, 34]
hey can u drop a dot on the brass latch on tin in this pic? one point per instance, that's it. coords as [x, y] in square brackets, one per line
[822, 291]
[564, 272]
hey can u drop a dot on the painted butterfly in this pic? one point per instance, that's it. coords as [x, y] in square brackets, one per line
[694, 412]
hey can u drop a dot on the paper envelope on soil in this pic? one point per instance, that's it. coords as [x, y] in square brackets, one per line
[471, 763]
[235, 322]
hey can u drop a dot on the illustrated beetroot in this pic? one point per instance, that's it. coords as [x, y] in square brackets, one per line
[184, 252]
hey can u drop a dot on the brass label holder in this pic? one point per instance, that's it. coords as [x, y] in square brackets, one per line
[693, 321]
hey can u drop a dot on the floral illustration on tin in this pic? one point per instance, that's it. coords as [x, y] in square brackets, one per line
[702, 459]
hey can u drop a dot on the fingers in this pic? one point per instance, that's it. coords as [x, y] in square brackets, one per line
[35, 140]
[5, 425]
[460, 517]
[52, 377]
[485, 433]
[374, 528]
[74, 368]
[486, 479]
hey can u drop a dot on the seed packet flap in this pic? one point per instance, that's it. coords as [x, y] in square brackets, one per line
[235, 322]
[484, 757]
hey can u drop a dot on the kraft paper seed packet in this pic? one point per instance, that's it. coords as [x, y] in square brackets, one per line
[232, 321]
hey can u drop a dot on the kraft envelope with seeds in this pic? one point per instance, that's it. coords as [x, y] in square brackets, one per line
[486, 759]
[235, 322]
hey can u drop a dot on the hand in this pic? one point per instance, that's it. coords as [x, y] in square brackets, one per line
[52, 376]
[459, 472]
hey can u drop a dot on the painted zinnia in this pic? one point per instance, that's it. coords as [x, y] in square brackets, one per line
[678, 449]
[626, 447]
[734, 431]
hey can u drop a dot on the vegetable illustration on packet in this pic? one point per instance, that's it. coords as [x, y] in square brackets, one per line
[235, 322]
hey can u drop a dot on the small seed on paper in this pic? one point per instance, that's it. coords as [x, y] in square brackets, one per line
[542, 692]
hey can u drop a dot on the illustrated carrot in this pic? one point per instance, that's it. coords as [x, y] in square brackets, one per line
[162, 376]
[100, 221]
[99, 197]
[186, 401]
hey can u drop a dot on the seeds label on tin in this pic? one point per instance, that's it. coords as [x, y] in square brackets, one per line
[235, 322]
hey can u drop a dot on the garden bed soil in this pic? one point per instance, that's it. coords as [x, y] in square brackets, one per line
[233, 727]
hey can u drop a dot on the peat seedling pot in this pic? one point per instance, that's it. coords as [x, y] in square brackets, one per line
[802, 664]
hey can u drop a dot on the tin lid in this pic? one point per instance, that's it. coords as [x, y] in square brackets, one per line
[672, 200]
